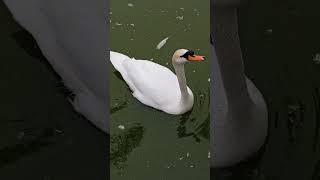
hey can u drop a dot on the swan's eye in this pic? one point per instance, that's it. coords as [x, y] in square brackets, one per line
[187, 54]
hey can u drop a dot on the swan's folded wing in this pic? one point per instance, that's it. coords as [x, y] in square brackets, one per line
[152, 81]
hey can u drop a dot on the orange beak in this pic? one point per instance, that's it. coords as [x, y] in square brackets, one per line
[195, 58]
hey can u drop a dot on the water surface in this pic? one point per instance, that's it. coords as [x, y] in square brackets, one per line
[146, 143]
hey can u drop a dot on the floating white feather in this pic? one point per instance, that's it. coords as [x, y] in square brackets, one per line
[162, 43]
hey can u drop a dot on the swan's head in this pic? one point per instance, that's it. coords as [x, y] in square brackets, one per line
[182, 56]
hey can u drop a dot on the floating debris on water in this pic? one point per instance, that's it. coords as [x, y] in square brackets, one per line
[209, 155]
[131, 39]
[316, 59]
[130, 5]
[21, 135]
[167, 63]
[148, 164]
[132, 25]
[110, 12]
[188, 154]
[58, 131]
[118, 24]
[268, 31]
[192, 166]
[180, 158]
[162, 43]
[171, 165]
[182, 8]
[179, 18]
[194, 71]
[121, 127]
[209, 79]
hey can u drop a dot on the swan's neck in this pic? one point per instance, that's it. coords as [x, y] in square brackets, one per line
[224, 29]
[182, 81]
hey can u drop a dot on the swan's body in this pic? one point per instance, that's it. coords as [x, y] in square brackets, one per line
[155, 85]
[240, 117]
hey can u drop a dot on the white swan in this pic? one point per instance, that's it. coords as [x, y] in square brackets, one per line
[239, 114]
[155, 85]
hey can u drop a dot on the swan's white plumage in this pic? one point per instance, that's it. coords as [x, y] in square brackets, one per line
[152, 84]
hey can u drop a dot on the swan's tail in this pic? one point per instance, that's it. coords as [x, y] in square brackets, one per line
[75, 48]
[117, 59]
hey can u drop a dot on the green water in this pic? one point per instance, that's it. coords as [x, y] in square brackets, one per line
[151, 144]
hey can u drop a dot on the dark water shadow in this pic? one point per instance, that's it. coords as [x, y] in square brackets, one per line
[196, 123]
[25, 40]
[316, 101]
[118, 107]
[121, 145]
[30, 141]
[247, 170]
